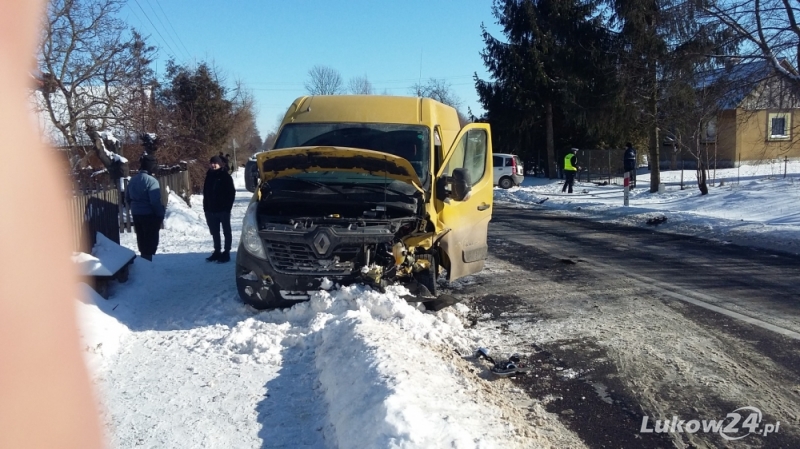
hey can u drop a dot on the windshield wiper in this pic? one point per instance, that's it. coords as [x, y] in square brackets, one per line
[315, 183]
[382, 187]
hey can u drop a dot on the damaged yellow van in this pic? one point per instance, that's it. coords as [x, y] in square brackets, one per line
[366, 189]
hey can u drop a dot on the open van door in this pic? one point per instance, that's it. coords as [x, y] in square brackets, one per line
[465, 245]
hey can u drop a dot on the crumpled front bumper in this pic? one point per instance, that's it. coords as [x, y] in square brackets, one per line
[261, 286]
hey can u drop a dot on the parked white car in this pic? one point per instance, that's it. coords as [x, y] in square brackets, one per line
[508, 170]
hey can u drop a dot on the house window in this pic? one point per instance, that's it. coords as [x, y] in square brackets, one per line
[779, 125]
[710, 131]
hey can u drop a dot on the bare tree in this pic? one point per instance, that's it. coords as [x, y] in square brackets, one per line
[107, 148]
[269, 140]
[272, 135]
[323, 80]
[244, 129]
[89, 67]
[360, 85]
[439, 90]
[768, 29]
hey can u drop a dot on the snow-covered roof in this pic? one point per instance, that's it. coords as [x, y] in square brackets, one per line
[737, 80]
[735, 83]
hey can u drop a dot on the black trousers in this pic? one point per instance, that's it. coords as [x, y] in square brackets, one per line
[570, 174]
[215, 220]
[147, 229]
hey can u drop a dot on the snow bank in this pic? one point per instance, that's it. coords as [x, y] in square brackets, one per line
[101, 334]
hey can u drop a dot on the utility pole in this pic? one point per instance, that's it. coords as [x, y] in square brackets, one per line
[235, 167]
[626, 188]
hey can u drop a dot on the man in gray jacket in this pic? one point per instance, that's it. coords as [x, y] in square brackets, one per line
[144, 199]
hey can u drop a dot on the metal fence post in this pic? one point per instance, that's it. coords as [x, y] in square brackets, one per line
[588, 166]
[682, 164]
[626, 188]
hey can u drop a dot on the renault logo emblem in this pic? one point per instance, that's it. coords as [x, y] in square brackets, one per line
[322, 242]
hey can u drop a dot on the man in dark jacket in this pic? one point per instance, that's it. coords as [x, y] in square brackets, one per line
[144, 198]
[218, 196]
[629, 162]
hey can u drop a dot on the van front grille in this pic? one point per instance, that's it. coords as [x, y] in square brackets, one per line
[299, 258]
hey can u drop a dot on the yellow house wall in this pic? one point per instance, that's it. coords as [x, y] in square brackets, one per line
[751, 137]
[726, 136]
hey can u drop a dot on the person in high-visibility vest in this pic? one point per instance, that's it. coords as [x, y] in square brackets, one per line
[570, 169]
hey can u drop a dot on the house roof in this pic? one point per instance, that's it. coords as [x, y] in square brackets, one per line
[736, 81]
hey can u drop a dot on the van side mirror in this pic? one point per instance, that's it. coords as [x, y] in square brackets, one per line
[461, 184]
[457, 187]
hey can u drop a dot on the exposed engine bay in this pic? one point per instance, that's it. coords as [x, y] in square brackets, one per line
[347, 234]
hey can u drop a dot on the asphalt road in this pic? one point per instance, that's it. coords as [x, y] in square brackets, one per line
[645, 324]
[760, 285]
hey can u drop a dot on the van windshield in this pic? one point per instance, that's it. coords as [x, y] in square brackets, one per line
[411, 142]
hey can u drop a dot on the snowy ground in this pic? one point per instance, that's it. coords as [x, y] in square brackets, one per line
[752, 205]
[178, 361]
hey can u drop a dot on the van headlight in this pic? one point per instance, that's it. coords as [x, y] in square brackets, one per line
[250, 239]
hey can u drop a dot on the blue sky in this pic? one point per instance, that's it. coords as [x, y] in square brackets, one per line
[271, 45]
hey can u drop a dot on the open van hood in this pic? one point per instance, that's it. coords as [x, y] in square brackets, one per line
[290, 161]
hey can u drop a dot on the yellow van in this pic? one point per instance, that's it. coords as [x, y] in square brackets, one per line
[371, 189]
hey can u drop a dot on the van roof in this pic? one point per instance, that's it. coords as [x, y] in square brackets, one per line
[367, 109]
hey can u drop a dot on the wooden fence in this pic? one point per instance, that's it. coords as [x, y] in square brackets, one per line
[102, 209]
[93, 211]
[176, 181]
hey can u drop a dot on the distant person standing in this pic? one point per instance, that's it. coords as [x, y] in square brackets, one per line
[225, 162]
[570, 169]
[218, 196]
[629, 162]
[144, 197]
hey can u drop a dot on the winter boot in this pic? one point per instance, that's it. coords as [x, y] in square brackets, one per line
[224, 257]
[214, 257]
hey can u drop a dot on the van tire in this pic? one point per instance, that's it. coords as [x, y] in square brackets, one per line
[506, 182]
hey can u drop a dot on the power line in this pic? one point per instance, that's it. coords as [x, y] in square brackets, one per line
[166, 31]
[166, 17]
[156, 29]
